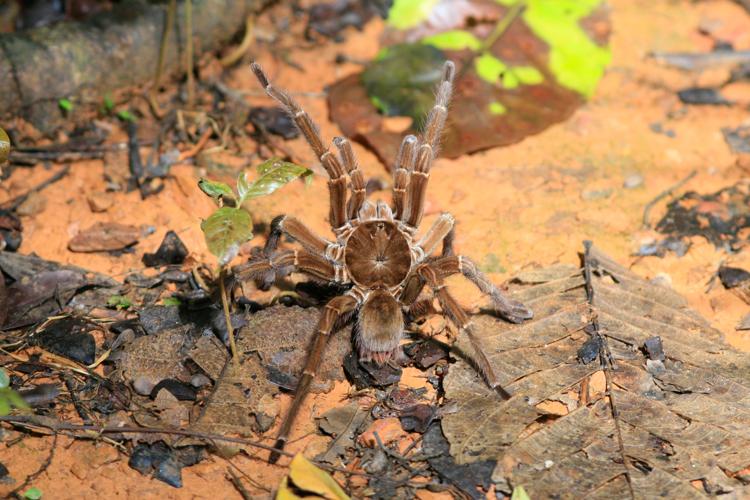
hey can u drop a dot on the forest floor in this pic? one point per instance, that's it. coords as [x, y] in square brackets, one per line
[517, 207]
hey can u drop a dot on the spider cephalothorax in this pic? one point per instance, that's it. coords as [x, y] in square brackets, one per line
[375, 254]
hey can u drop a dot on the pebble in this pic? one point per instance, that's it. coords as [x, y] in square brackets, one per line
[199, 380]
[633, 181]
[143, 386]
[596, 194]
[99, 202]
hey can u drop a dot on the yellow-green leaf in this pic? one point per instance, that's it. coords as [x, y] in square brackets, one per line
[4, 146]
[453, 40]
[405, 14]
[215, 189]
[274, 174]
[225, 230]
[519, 493]
[305, 476]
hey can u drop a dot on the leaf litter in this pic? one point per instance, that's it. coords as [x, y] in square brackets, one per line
[677, 426]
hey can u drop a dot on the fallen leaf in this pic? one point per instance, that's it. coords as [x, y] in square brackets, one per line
[520, 66]
[105, 237]
[681, 421]
[154, 358]
[305, 476]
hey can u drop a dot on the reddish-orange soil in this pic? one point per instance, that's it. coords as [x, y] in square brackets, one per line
[517, 207]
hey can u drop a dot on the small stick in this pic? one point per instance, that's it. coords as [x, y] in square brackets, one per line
[662, 195]
[18, 200]
[237, 483]
[227, 317]
[242, 48]
[189, 53]
[198, 145]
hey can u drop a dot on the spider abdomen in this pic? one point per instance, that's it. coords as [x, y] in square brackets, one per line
[377, 254]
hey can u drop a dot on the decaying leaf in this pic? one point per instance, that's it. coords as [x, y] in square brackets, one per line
[680, 427]
[281, 336]
[105, 237]
[152, 358]
[521, 67]
[722, 217]
[306, 479]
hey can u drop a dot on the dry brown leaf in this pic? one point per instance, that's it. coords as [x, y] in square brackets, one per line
[682, 423]
[105, 237]
[156, 357]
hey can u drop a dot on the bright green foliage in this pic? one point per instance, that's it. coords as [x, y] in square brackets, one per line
[4, 146]
[119, 302]
[229, 227]
[497, 108]
[216, 190]
[225, 230]
[453, 40]
[575, 60]
[406, 14]
[65, 105]
[8, 397]
[32, 494]
[108, 104]
[274, 174]
[125, 115]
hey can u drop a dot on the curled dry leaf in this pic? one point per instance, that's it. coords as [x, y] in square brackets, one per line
[306, 477]
[665, 426]
[521, 66]
[105, 237]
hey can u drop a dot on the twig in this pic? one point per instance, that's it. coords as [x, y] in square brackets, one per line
[242, 48]
[198, 145]
[189, 53]
[168, 24]
[39, 471]
[18, 200]
[662, 195]
[605, 357]
[57, 426]
[69, 384]
[29, 158]
[227, 316]
[238, 484]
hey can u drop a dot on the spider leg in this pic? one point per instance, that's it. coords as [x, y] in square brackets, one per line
[509, 309]
[441, 230]
[404, 166]
[292, 227]
[459, 317]
[337, 181]
[268, 269]
[429, 146]
[357, 188]
[333, 311]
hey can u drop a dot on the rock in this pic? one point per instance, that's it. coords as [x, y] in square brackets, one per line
[171, 251]
[99, 202]
[69, 337]
[633, 181]
[32, 205]
[170, 472]
[180, 390]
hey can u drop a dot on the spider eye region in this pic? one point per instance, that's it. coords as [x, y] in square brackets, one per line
[377, 253]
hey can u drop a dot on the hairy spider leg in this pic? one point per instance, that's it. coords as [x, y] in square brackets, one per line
[509, 309]
[357, 185]
[402, 171]
[295, 229]
[268, 269]
[459, 317]
[428, 147]
[333, 311]
[441, 230]
[337, 182]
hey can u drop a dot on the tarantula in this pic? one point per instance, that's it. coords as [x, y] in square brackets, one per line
[376, 255]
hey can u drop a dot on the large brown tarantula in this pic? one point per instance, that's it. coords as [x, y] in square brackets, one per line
[376, 253]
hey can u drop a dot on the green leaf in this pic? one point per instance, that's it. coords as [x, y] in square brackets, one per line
[576, 61]
[274, 175]
[125, 115]
[225, 230]
[15, 399]
[409, 13]
[4, 379]
[32, 494]
[119, 302]
[519, 493]
[243, 187]
[109, 104]
[65, 105]
[4, 146]
[171, 301]
[454, 40]
[215, 189]
[4, 404]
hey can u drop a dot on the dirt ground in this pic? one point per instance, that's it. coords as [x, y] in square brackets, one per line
[517, 207]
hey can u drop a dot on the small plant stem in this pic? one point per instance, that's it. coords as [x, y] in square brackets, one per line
[189, 53]
[227, 317]
[168, 23]
[502, 25]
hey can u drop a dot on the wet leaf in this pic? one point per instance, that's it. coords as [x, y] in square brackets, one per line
[681, 422]
[521, 67]
[274, 174]
[215, 189]
[105, 237]
[225, 230]
[309, 479]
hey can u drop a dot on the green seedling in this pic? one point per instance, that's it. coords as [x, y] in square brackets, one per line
[8, 397]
